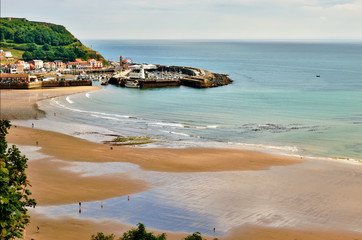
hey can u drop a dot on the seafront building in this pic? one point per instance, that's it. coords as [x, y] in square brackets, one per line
[17, 78]
[58, 65]
[85, 65]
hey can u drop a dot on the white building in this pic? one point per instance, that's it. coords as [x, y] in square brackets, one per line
[137, 73]
[38, 64]
[8, 55]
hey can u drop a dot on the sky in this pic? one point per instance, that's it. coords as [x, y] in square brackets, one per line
[196, 19]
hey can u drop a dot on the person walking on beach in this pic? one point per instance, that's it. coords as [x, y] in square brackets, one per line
[80, 207]
[37, 229]
[32, 125]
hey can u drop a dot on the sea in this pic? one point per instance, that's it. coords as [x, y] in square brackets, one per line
[293, 97]
[300, 98]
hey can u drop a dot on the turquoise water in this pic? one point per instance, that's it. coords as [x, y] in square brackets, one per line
[275, 99]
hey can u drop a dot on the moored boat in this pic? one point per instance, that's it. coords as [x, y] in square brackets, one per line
[132, 84]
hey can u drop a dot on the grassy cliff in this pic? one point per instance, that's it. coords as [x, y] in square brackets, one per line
[40, 40]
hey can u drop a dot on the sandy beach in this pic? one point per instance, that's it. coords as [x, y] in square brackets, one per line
[54, 185]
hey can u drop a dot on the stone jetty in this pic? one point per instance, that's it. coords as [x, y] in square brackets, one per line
[171, 76]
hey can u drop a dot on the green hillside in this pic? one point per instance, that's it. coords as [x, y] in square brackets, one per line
[39, 40]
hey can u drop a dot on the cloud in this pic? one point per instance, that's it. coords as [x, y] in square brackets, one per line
[353, 7]
[196, 18]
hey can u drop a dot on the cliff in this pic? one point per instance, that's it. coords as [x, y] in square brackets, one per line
[40, 40]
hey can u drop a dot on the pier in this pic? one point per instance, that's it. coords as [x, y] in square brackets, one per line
[155, 76]
[45, 84]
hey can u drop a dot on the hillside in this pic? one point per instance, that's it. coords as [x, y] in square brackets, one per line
[39, 40]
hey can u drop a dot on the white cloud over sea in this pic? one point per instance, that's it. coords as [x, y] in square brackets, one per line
[197, 19]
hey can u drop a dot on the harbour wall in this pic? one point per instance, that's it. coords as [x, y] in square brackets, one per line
[45, 84]
[192, 77]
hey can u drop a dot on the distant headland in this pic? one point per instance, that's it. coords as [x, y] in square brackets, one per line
[40, 54]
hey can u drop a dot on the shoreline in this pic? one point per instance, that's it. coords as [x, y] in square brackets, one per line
[53, 145]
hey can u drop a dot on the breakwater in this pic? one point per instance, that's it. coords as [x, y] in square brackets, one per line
[45, 84]
[186, 76]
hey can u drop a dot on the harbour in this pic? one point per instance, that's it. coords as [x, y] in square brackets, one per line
[155, 76]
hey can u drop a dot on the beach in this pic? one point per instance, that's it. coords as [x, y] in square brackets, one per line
[291, 182]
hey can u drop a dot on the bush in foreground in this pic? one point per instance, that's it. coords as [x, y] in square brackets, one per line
[140, 233]
[14, 195]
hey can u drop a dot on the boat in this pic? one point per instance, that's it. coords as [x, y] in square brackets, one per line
[104, 83]
[132, 84]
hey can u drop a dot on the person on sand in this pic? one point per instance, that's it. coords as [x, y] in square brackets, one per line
[32, 125]
[37, 229]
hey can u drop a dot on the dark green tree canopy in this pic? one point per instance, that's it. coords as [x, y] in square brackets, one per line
[14, 195]
[141, 234]
[21, 31]
[44, 41]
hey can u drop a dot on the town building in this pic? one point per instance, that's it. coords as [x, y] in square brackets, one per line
[93, 64]
[4, 56]
[10, 78]
[59, 64]
[37, 63]
[50, 65]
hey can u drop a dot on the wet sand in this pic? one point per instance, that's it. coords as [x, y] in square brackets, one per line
[52, 185]
[69, 148]
[265, 233]
[70, 228]
[21, 104]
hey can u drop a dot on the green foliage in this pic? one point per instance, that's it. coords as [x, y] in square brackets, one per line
[22, 31]
[43, 41]
[141, 234]
[14, 195]
[46, 47]
[27, 55]
[194, 236]
[31, 47]
[101, 236]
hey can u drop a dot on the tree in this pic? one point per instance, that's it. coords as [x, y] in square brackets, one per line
[14, 195]
[141, 234]
[194, 236]
[46, 47]
[27, 55]
[31, 47]
[39, 54]
[101, 236]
